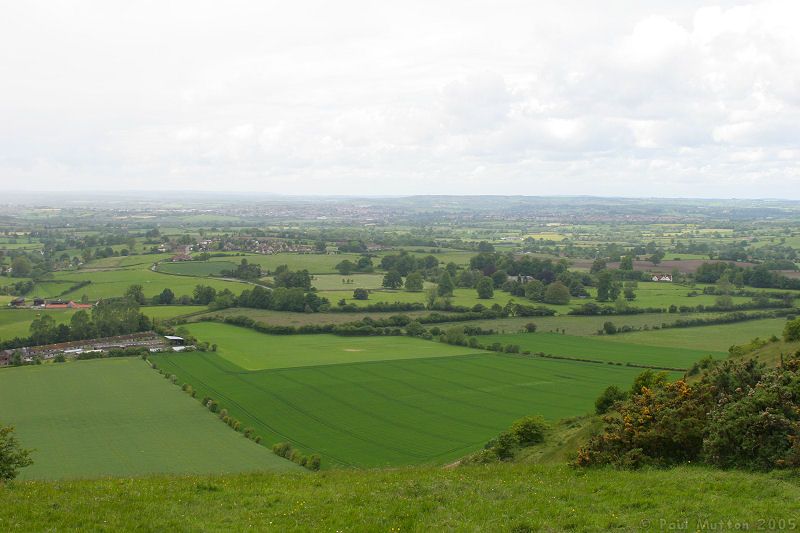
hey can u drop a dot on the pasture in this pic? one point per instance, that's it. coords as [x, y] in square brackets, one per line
[718, 337]
[405, 409]
[601, 349]
[117, 417]
[114, 282]
[314, 263]
[196, 268]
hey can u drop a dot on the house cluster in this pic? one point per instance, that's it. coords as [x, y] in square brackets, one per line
[41, 303]
[661, 277]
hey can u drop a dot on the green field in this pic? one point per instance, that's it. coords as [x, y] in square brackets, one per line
[114, 282]
[288, 318]
[718, 338]
[117, 417]
[197, 268]
[601, 349]
[314, 263]
[17, 322]
[251, 350]
[405, 410]
[335, 282]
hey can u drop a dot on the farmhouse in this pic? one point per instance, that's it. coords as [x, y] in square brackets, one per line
[662, 277]
[17, 302]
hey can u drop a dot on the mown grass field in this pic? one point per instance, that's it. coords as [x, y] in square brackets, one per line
[498, 497]
[392, 412]
[116, 417]
[251, 350]
[599, 348]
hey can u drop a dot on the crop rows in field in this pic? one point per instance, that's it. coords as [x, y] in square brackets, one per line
[391, 412]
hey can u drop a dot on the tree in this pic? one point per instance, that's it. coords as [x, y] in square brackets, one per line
[445, 286]
[392, 280]
[414, 282]
[630, 294]
[598, 266]
[204, 294]
[346, 267]
[21, 267]
[603, 286]
[117, 317]
[43, 330]
[609, 328]
[791, 331]
[12, 455]
[136, 293]
[80, 326]
[166, 297]
[724, 301]
[534, 290]
[608, 398]
[626, 263]
[657, 256]
[499, 277]
[485, 288]
[360, 294]
[556, 293]
[530, 327]
[529, 430]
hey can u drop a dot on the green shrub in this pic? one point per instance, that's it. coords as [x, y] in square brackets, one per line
[608, 398]
[529, 430]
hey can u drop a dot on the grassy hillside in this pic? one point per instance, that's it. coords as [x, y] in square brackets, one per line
[117, 417]
[499, 497]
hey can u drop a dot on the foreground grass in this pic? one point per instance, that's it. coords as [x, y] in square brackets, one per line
[500, 497]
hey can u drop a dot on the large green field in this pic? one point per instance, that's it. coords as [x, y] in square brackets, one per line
[601, 349]
[423, 404]
[116, 417]
[255, 351]
[114, 282]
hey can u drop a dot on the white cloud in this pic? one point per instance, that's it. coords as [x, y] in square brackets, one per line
[365, 97]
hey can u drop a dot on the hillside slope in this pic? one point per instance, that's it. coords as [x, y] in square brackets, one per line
[499, 497]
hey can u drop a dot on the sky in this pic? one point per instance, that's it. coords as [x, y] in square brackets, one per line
[616, 98]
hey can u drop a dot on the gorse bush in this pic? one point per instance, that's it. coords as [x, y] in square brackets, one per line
[737, 415]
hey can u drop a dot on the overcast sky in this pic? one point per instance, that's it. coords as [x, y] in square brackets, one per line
[628, 98]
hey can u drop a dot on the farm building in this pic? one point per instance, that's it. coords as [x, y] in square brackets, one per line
[17, 302]
[68, 305]
[662, 277]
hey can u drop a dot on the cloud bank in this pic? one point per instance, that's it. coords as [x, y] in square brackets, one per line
[627, 98]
